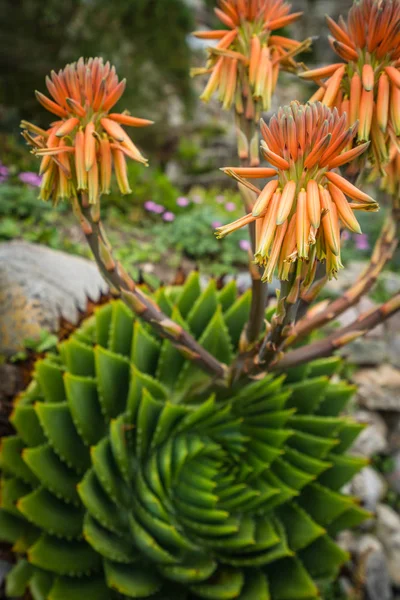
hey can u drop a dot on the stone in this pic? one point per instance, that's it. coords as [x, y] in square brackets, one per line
[366, 352]
[388, 533]
[378, 389]
[373, 439]
[38, 285]
[372, 563]
[370, 487]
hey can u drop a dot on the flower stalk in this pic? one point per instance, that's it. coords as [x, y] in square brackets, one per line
[123, 286]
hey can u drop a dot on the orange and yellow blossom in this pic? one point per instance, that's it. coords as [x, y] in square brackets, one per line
[79, 150]
[298, 214]
[244, 65]
[367, 84]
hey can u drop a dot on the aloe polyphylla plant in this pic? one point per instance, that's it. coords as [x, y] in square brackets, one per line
[130, 477]
[177, 446]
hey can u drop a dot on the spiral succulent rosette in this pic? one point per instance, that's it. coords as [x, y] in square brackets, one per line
[129, 478]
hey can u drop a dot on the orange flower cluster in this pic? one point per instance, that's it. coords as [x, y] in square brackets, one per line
[79, 150]
[297, 214]
[367, 85]
[244, 65]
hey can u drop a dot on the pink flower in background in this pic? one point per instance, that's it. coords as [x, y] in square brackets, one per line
[230, 206]
[362, 242]
[220, 199]
[158, 209]
[216, 224]
[4, 173]
[197, 199]
[149, 206]
[345, 235]
[169, 217]
[30, 178]
[245, 245]
[182, 201]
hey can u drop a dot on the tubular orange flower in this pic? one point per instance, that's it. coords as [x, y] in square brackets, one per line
[77, 150]
[305, 203]
[367, 84]
[244, 65]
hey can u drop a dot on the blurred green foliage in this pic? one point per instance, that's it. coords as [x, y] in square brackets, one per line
[145, 39]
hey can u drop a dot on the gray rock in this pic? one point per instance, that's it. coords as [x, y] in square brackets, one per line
[379, 389]
[370, 487]
[388, 533]
[37, 286]
[373, 440]
[372, 559]
[391, 282]
[366, 352]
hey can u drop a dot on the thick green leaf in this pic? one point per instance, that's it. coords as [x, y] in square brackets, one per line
[79, 358]
[18, 579]
[120, 337]
[300, 529]
[145, 350]
[227, 295]
[27, 424]
[11, 527]
[323, 558]
[306, 395]
[11, 460]
[103, 316]
[12, 489]
[83, 403]
[108, 544]
[255, 587]
[53, 473]
[203, 310]
[236, 317]
[226, 584]
[50, 379]
[40, 584]
[105, 467]
[190, 292]
[112, 376]
[99, 504]
[51, 514]
[290, 581]
[64, 557]
[197, 568]
[60, 430]
[139, 381]
[132, 581]
[82, 588]
[343, 469]
[323, 505]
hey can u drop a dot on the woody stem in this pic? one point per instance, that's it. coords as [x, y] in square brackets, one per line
[341, 337]
[259, 289]
[123, 286]
[383, 252]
